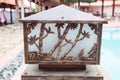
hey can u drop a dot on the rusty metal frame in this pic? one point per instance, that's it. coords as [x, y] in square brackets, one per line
[70, 63]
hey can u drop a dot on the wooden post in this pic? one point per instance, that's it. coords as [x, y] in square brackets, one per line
[17, 12]
[25, 41]
[99, 42]
[22, 9]
[113, 8]
[41, 5]
[4, 8]
[78, 4]
[11, 14]
[102, 8]
[30, 6]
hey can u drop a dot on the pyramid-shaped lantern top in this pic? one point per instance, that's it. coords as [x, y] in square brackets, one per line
[63, 13]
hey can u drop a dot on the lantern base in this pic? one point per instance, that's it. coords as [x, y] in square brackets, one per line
[34, 73]
[62, 67]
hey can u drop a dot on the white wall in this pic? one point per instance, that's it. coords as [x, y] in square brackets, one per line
[107, 10]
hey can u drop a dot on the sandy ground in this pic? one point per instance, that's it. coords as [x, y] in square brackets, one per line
[10, 37]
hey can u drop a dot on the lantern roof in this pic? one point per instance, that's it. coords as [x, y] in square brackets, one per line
[63, 13]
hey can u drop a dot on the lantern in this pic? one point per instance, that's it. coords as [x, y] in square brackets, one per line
[62, 37]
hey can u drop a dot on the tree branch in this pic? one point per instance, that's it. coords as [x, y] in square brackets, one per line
[36, 45]
[32, 40]
[81, 38]
[94, 48]
[45, 36]
[67, 41]
[48, 31]
[60, 40]
[74, 43]
[59, 36]
[41, 37]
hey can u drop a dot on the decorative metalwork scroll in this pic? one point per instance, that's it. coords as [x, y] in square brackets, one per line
[62, 42]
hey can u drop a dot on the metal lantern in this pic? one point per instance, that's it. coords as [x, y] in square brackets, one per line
[62, 40]
[62, 36]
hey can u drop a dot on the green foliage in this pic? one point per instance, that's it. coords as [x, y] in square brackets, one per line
[36, 9]
[73, 1]
[33, 10]
[88, 1]
[57, 1]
